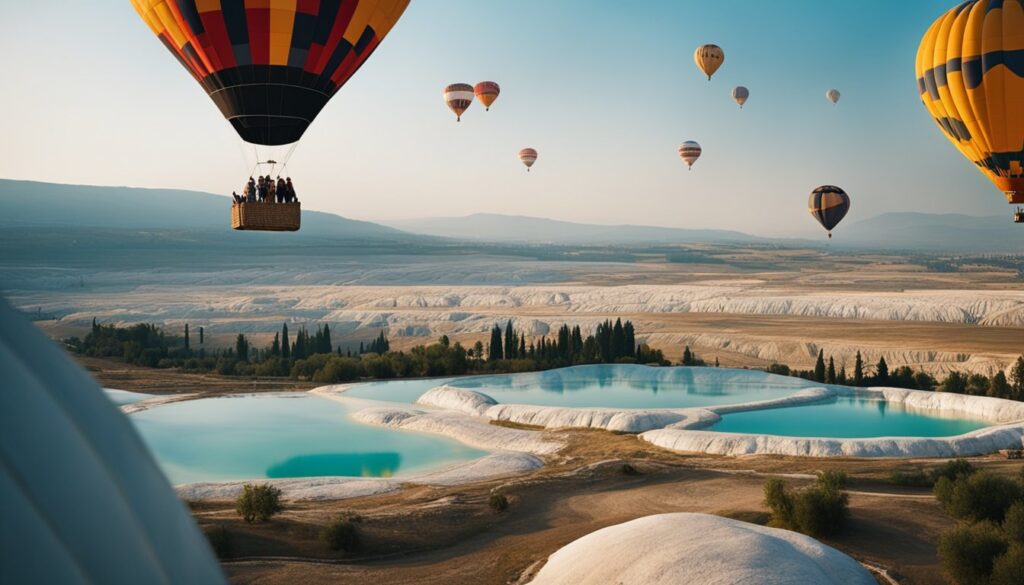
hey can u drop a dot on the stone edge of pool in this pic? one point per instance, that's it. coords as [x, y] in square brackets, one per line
[680, 429]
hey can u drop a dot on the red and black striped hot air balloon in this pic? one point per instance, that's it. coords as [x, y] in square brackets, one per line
[458, 97]
[269, 65]
[487, 92]
[829, 205]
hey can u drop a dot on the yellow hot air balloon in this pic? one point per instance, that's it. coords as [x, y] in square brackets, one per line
[970, 75]
[709, 58]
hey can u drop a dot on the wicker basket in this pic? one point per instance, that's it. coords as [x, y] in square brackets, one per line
[271, 217]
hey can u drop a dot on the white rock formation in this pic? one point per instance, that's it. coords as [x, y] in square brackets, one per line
[698, 549]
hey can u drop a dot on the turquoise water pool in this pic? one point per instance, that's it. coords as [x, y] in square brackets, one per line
[269, 436]
[404, 391]
[630, 386]
[846, 418]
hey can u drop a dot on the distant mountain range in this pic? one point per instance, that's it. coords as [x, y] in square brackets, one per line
[889, 231]
[517, 228]
[29, 204]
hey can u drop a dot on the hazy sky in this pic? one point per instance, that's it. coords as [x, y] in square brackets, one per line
[604, 90]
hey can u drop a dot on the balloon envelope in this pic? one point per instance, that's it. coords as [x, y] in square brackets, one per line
[970, 76]
[528, 156]
[832, 95]
[829, 205]
[271, 66]
[709, 58]
[486, 92]
[458, 97]
[740, 95]
[689, 151]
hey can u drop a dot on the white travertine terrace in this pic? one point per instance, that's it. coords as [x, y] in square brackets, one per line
[666, 549]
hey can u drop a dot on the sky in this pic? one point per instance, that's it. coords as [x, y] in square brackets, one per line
[604, 90]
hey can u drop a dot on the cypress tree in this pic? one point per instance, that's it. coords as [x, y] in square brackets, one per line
[242, 348]
[275, 347]
[1017, 379]
[510, 340]
[882, 377]
[326, 345]
[858, 371]
[819, 367]
[687, 356]
[186, 337]
[831, 376]
[630, 335]
[494, 351]
[618, 340]
[200, 336]
[286, 349]
[522, 347]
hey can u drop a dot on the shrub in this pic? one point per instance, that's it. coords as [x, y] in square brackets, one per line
[968, 552]
[981, 496]
[953, 469]
[219, 541]
[1009, 568]
[910, 477]
[258, 502]
[819, 510]
[1013, 524]
[498, 502]
[341, 534]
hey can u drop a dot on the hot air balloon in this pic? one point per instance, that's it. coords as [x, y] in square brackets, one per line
[740, 95]
[709, 58]
[829, 205]
[458, 97]
[271, 67]
[970, 75]
[528, 156]
[486, 92]
[689, 151]
[832, 95]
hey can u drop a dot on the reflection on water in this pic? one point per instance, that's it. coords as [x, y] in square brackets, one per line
[252, 437]
[323, 464]
[854, 417]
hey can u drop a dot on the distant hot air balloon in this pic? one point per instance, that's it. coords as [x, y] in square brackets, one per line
[271, 70]
[740, 95]
[970, 75]
[709, 58]
[832, 95]
[689, 151]
[487, 92]
[828, 204]
[458, 97]
[528, 156]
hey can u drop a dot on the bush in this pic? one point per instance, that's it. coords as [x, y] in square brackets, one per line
[258, 502]
[953, 469]
[968, 552]
[341, 534]
[219, 541]
[498, 502]
[1013, 524]
[981, 496]
[819, 510]
[1009, 568]
[911, 477]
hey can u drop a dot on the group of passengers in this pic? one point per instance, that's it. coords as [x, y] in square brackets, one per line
[266, 190]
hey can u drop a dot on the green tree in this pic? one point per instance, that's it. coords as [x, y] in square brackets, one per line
[1017, 379]
[258, 502]
[286, 348]
[478, 350]
[186, 338]
[687, 356]
[510, 340]
[819, 367]
[242, 348]
[978, 496]
[201, 333]
[955, 382]
[830, 376]
[858, 371]
[494, 350]
[999, 387]
[882, 372]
